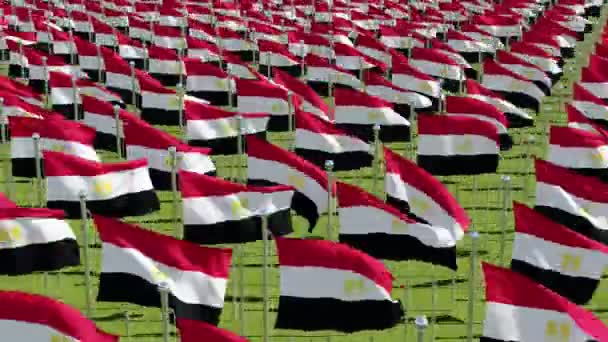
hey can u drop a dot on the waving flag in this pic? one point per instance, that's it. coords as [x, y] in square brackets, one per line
[194, 331]
[516, 89]
[556, 257]
[330, 286]
[31, 317]
[377, 228]
[132, 268]
[517, 117]
[261, 96]
[579, 150]
[520, 309]
[590, 105]
[112, 189]
[310, 101]
[208, 81]
[219, 211]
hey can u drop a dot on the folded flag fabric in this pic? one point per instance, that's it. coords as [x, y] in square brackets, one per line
[516, 116]
[556, 257]
[31, 317]
[579, 150]
[111, 189]
[218, 211]
[520, 309]
[194, 331]
[331, 286]
[578, 202]
[133, 268]
[374, 227]
[36, 239]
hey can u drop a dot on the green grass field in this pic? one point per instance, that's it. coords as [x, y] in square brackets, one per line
[434, 291]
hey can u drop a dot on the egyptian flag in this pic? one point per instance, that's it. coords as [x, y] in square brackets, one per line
[209, 126]
[262, 96]
[65, 91]
[576, 201]
[576, 119]
[402, 99]
[422, 196]
[196, 331]
[516, 117]
[539, 57]
[593, 107]
[39, 70]
[516, 89]
[133, 266]
[32, 317]
[320, 72]
[146, 142]
[112, 189]
[101, 115]
[36, 239]
[522, 67]
[469, 48]
[159, 105]
[556, 257]
[269, 165]
[131, 50]
[457, 145]
[437, 63]
[208, 81]
[318, 141]
[580, 150]
[407, 77]
[165, 65]
[382, 231]
[119, 77]
[21, 90]
[90, 58]
[330, 286]
[15, 106]
[217, 211]
[358, 112]
[474, 108]
[56, 134]
[274, 55]
[310, 101]
[520, 309]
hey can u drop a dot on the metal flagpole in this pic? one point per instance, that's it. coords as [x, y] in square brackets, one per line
[472, 273]
[265, 284]
[38, 166]
[45, 78]
[127, 325]
[376, 166]
[7, 163]
[433, 303]
[329, 166]
[133, 86]
[99, 63]
[85, 253]
[180, 103]
[421, 324]
[290, 114]
[174, 191]
[118, 127]
[76, 98]
[506, 199]
[163, 289]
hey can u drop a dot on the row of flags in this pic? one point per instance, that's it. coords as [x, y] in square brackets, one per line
[354, 53]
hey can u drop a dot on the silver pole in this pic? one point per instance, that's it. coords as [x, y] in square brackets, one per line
[127, 325]
[175, 209]
[133, 85]
[46, 82]
[180, 103]
[472, 273]
[433, 303]
[99, 63]
[529, 157]
[3, 121]
[118, 127]
[75, 99]
[38, 166]
[329, 166]
[421, 324]
[85, 254]
[376, 166]
[163, 289]
[506, 199]
[265, 295]
[330, 95]
[290, 113]
[239, 148]
[241, 260]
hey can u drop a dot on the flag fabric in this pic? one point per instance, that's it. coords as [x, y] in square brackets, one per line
[520, 309]
[580, 150]
[422, 196]
[209, 82]
[556, 257]
[213, 127]
[56, 134]
[32, 317]
[589, 105]
[133, 267]
[576, 201]
[269, 165]
[102, 116]
[310, 101]
[112, 189]
[331, 286]
[195, 331]
[516, 89]
[454, 145]
[318, 141]
[218, 211]
[36, 239]
[377, 228]
[516, 116]
[262, 96]
[143, 141]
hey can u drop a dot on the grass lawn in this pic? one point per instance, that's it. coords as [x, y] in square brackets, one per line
[439, 293]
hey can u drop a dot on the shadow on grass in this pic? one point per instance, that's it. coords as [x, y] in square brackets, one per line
[151, 335]
[440, 319]
[155, 220]
[117, 317]
[248, 299]
[441, 282]
[463, 254]
[462, 338]
[495, 232]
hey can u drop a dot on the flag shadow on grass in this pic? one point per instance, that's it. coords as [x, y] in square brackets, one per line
[467, 253]
[118, 316]
[248, 299]
[462, 338]
[441, 282]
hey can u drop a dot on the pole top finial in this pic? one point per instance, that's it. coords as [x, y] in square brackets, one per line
[421, 322]
[329, 165]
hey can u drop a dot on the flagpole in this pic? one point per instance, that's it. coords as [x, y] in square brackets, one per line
[506, 199]
[421, 324]
[175, 208]
[38, 166]
[85, 253]
[99, 64]
[329, 166]
[76, 97]
[265, 295]
[23, 78]
[163, 289]
[47, 97]
[180, 98]
[127, 326]
[118, 127]
[290, 113]
[7, 163]
[376, 166]
[239, 247]
[433, 302]
[472, 269]
[528, 157]
[133, 86]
